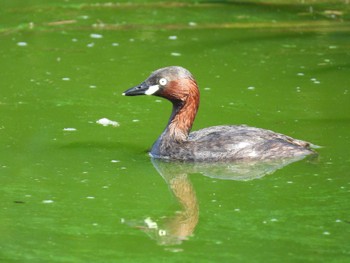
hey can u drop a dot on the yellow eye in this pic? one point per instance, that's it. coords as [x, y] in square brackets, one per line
[163, 81]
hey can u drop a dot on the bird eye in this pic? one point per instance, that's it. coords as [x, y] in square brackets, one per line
[163, 81]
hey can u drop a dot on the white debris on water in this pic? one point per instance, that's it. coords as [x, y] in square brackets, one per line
[90, 44]
[66, 79]
[315, 81]
[300, 74]
[175, 54]
[22, 44]
[115, 44]
[251, 88]
[172, 37]
[107, 122]
[69, 129]
[47, 201]
[96, 36]
[115, 161]
[150, 223]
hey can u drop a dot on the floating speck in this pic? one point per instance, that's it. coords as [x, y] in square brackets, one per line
[47, 201]
[338, 221]
[69, 129]
[96, 36]
[162, 232]
[115, 44]
[172, 37]
[122, 220]
[115, 161]
[107, 122]
[237, 210]
[135, 120]
[92, 87]
[326, 233]
[22, 44]
[175, 54]
[273, 219]
[192, 23]
[300, 74]
[131, 40]
[66, 79]
[158, 101]
[251, 88]
[206, 88]
[90, 44]
[150, 223]
[94, 224]
[74, 40]
[58, 59]
[174, 249]
[315, 81]
[333, 47]
[289, 182]
[90, 197]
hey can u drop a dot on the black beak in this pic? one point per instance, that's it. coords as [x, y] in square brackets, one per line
[138, 90]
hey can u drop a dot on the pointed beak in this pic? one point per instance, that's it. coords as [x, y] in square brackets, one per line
[137, 90]
[142, 89]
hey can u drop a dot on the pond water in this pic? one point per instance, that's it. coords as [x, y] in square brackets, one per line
[75, 190]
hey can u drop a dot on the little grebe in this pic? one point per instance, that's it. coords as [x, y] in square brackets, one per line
[217, 143]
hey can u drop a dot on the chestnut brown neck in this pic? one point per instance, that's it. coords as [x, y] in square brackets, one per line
[185, 108]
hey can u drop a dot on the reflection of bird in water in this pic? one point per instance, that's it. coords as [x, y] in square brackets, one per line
[175, 229]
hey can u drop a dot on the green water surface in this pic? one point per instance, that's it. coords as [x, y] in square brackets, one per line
[73, 190]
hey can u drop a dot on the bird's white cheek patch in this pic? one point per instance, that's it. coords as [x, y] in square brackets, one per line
[152, 89]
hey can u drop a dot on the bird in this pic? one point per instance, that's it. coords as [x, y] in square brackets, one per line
[212, 144]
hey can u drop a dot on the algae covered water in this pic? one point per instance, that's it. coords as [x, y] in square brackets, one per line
[77, 183]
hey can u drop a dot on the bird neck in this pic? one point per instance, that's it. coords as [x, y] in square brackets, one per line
[183, 114]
